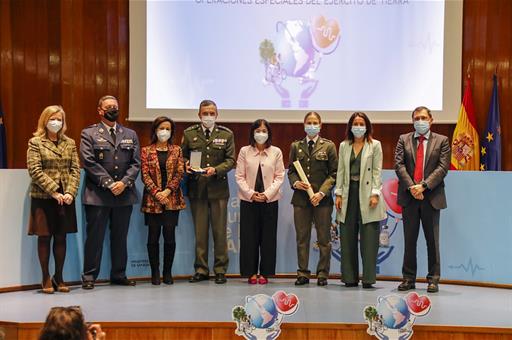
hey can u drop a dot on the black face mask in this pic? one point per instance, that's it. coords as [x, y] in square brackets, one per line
[112, 114]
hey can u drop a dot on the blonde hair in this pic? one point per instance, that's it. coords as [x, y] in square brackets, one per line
[45, 117]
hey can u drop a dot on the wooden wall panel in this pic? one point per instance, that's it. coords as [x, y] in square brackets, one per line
[71, 52]
[68, 52]
[487, 47]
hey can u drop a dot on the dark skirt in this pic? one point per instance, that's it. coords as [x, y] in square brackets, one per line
[48, 218]
[168, 217]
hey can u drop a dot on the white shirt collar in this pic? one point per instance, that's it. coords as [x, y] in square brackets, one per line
[204, 128]
[427, 135]
[313, 139]
[109, 127]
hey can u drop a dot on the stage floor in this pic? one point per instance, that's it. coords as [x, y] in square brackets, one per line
[208, 302]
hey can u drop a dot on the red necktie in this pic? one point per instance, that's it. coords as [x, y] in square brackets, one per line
[420, 155]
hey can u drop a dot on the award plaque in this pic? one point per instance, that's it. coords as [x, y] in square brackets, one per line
[195, 162]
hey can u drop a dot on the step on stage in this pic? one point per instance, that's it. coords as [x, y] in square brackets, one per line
[203, 310]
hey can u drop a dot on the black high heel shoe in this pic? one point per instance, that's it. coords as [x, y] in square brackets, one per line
[167, 279]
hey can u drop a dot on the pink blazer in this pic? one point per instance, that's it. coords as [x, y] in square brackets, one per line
[272, 169]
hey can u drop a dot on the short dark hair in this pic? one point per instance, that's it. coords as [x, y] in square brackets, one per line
[369, 130]
[64, 323]
[421, 108]
[207, 102]
[313, 113]
[156, 124]
[257, 123]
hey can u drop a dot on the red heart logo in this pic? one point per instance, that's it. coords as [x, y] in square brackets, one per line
[286, 304]
[418, 305]
[325, 33]
[390, 190]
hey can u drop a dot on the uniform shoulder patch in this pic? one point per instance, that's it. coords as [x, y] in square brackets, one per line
[192, 127]
[222, 127]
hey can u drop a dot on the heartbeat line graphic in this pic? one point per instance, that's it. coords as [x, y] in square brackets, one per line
[469, 267]
[426, 43]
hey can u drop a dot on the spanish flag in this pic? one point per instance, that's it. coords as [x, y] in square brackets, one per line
[465, 142]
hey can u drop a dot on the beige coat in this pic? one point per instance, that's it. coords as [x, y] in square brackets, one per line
[370, 182]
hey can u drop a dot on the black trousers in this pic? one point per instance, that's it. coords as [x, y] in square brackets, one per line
[97, 218]
[258, 238]
[412, 214]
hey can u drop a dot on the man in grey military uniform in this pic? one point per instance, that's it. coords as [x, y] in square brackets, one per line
[209, 192]
[111, 160]
[319, 160]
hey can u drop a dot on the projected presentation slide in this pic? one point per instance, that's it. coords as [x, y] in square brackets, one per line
[378, 55]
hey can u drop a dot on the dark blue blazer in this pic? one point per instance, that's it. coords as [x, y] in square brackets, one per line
[106, 162]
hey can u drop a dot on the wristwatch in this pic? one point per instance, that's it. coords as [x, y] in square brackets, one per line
[424, 185]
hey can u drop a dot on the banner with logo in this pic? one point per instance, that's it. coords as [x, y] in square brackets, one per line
[474, 234]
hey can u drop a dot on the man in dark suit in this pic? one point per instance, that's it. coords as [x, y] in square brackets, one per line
[422, 160]
[209, 191]
[111, 160]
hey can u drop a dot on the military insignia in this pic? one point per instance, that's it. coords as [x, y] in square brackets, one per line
[127, 141]
[101, 130]
[220, 141]
[101, 140]
[321, 156]
[195, 138]
[100, 156]
[300, 150]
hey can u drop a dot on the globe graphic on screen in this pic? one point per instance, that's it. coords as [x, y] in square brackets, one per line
[294, 47]
[262, 310]
[394, 311]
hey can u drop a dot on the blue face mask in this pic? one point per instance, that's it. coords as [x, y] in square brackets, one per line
[358, 131]
[421, 126]
[312, 130]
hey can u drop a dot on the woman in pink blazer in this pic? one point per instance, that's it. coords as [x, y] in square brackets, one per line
[259, 175]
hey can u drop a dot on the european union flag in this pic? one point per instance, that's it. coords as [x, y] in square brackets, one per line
[3, 143]
[491, 141]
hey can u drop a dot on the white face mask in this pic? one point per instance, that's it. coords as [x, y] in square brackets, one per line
[261, 137]
[421, 126]
[54, 125]
[358, 131]
[312, 130]
[208, 121]
[163, 135]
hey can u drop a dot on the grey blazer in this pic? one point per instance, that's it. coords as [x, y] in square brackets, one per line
[370, 181]
[437, 163]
